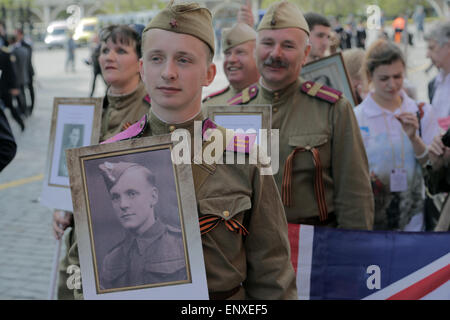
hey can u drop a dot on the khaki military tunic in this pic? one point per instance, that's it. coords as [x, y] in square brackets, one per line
[156, 257]
[331, 128]
[123, 110]
[231, 96]
[259, 261]
[255, 266]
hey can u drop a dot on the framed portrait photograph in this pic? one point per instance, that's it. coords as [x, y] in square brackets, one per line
[331, 72]
[75, 123]
[244, 119]
[137, 222]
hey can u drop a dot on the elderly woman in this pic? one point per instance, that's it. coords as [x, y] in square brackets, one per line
[395, 131]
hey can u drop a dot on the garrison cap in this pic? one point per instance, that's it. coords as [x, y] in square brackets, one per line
[112, 171]
[236, 35]
[188, 18]
[282, 15]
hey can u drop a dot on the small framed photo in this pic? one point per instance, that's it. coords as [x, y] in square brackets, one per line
[244, 119]
[137, 222]
[330, 71]
[75, 123]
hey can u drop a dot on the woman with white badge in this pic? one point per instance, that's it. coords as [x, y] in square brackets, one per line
[396, 131]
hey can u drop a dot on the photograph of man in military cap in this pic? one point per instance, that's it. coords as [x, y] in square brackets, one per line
[151, 251]
[72, 138]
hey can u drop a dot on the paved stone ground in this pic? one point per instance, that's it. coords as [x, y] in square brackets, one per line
[26, 244]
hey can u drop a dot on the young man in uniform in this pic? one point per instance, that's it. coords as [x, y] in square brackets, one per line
[324, 176]
[252, 259]
[239, 65]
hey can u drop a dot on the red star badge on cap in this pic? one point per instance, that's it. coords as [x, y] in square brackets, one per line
[173, 23]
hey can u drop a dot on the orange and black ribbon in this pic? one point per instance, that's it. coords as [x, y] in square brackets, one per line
[210, 221]
[319, 189]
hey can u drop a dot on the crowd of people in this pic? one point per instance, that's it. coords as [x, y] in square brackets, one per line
[17, 90]
[365, 168]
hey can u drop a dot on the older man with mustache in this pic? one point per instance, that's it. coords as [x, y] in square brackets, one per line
[323, 177]
[239, 65]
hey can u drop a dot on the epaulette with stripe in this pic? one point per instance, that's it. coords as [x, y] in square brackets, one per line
[244, 96]
[134, 131]
[240, 143]
[318, 90]
[215, 94]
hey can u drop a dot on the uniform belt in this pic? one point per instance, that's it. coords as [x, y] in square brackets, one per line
[223, 295]
[315, 221]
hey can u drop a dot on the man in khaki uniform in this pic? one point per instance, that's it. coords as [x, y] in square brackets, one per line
[323, 176]
[239, 65]
[243, 226]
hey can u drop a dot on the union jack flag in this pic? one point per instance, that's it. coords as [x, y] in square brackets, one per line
[375, 265]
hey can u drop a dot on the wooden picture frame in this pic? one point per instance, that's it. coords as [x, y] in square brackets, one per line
[75, 122]
[249, 118]
[332, 72]
[110, 186]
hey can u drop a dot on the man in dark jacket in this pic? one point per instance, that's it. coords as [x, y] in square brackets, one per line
[7, 144]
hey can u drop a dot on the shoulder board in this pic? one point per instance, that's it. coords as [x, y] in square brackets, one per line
[318, 90]
[6, 50]
[148, 99]
[212, 95]
[134, 131]
[240, 142]
[244, 96]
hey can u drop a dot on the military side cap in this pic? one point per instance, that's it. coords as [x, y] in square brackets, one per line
[236, 35]
[187, 18]
[282, 15]
[112, 171]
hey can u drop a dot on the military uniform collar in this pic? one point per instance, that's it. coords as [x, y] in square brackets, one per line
[279, 96]
[145, 240]
[123, 101]
[158, 126]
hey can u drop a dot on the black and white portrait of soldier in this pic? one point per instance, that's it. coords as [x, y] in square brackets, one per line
[72, 138]
[151, 251]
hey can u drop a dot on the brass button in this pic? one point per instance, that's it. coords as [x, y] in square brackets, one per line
[172, 128]
[275, 109]
[226, 213]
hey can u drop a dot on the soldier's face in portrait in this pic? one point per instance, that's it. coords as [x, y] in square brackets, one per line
[280, 56]
[133, 200]
[74, 137]
[174, 68]
[239, 63]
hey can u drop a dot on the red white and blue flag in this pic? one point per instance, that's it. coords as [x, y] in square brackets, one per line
[375, 265]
